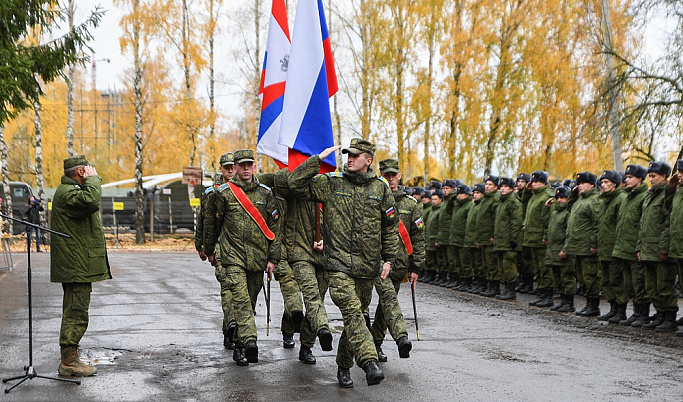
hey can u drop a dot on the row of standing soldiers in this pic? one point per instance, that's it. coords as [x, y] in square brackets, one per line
[609, 235]
[372, 237]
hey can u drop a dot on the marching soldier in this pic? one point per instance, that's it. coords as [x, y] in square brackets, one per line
[409, 261]
[248, 225]
[507, 237]
[611, 199]
[660, 271]
[360, 232]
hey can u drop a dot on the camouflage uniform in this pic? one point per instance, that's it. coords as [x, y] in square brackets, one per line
[291, 295]
[360, 232]
[508, 238]
[298, 229]
[535, 225]
[244, 249]
[409, 213]
[461, 212]
[612, 275]
[476, 259]
[556, 236]
[486, 214]
[447, 250]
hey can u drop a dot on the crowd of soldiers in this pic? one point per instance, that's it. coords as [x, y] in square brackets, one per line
[347, 232]
[608, 236]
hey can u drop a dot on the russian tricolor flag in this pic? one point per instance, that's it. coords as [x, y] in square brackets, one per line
[306, 126]
[272, 87]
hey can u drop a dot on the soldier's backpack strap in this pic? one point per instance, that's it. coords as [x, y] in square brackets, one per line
[254, 213]
[405, 237]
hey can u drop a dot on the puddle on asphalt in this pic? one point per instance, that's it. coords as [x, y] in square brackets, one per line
[103, 357]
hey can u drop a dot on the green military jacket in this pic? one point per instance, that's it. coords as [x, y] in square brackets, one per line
[81, 257]
[628, 224]
[556, 233]
[433, 220]
[426, 210]
[582, 226]
[471, 226]
[673, 232]
[361, 222]
[242, 243]
[461, 212]
[410, 214]
[537, 216]
[610, 205]
[524, 196]
[507, 233]
[298, 223]
[486, 218]
[207, 211]
[650, 239]
[444, 236]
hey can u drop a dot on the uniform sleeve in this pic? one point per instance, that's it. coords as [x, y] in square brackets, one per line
[417, 237]
[274, 219]
[665, 239]
[213, 224]
[390, 218]
[199, 229]
[516, 225]
[305, 179]
[594, 210]
[83, 200]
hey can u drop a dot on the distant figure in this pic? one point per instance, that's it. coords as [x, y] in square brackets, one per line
[78, 260]
[32, 214]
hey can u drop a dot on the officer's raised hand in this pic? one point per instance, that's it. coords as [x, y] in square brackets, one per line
[328, 151]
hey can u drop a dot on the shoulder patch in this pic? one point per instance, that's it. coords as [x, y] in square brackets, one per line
[382, 179]
[223, 187]
[336, 174]
[208, 190]
[264, 186]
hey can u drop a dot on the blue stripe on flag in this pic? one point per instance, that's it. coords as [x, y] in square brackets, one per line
[269, 115]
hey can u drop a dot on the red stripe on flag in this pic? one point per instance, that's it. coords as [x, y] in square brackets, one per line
[263, 79]
[272, 92]
[280, 15]
[332, 85]
[296, 158]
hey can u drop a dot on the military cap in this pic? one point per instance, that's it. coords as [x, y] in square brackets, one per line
[679, 165]
[659, 167]
[435, 184]
[480, 187]
[540, 175]
[243, 155]
[586, 177]
[524, 176]
[555, 185]
[450, 183]
[76, 160]
[227, 159]
[636, 171]
[464, 189]
[388, 166]
[425, 194]
[610, 175]
[562, 192]
[358, 146]
[493, 179]
[418, 190]
[438, 193]
[568, 183]
[408, 190]
[507, 181]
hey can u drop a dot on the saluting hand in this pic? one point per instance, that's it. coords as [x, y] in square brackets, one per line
[89, 171]
[328, 151]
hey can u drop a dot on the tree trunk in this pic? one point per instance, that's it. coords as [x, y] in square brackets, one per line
[612, 91]
[40, 181]
[137, 94]
[70, 92]
[5, 178]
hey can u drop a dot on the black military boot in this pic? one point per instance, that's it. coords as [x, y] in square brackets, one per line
[593, 307]
[520, 284]
[530, 287]
[659, 320]
[633, 317]
[227, 337]
[508, 292]
[585, 308]
[568, 305]
[287, 341]
[404, 347]
[325, 339]
[560, 304]
[447, 278]
[669, 323]
[465, 284]
[381, 356]
[611, 313]
[238, 355]
[476, 286]
[493, 289]
[540, 298]
[366, 316]
[344, 377]
[251, 352]
[373, 374]
[305, 355]
[548, 300]
[428, 276]
[620, 315]
[644, 317]
[297, 317]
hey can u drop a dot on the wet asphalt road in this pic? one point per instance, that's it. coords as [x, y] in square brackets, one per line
[155, 335]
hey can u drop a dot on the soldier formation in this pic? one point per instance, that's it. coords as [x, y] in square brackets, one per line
[346, 232]
[608, 236]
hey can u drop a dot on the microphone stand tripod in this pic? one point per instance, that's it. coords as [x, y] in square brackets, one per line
[30, 370]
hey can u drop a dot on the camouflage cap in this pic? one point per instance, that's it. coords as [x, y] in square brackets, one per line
[243, 155]
[388, 166]
[76, 160]
[227, 159]
[358, 146]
